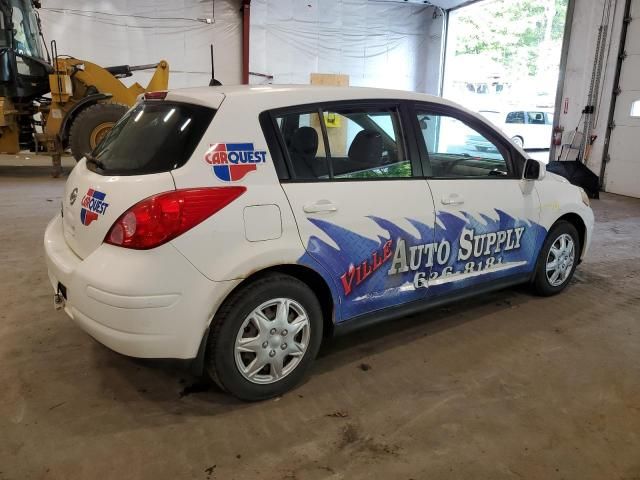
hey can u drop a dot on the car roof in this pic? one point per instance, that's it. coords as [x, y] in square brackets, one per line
[267, 97]
[285, 95]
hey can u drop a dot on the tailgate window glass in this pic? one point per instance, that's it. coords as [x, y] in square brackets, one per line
[154, 136]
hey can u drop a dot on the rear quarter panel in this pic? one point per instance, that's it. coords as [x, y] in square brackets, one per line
[218, 247]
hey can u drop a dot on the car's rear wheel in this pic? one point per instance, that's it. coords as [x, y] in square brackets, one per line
[557, 260]
[518, 141]
[264, 337]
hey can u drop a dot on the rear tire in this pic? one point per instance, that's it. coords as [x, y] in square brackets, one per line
[557, 260]
[264, 337]
[518, 141]
[91, 125]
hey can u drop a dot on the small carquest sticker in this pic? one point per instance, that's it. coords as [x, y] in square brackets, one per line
[93, 204]
[233, 161]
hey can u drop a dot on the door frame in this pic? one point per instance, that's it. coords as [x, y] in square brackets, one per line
[410, 132]
[280, 153]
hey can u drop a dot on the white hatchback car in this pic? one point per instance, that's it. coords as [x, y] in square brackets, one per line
[237, 226]
[529, 128]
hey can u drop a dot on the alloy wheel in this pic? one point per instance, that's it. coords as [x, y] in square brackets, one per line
[560, 260]
[272, 341]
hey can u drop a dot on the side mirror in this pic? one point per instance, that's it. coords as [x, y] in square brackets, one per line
[534, 170]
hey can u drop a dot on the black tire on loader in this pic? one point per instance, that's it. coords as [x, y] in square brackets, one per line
[91, 125]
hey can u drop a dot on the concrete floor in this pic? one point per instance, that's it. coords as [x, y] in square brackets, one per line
[506, 386]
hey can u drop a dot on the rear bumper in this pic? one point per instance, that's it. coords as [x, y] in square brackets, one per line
[147, 304]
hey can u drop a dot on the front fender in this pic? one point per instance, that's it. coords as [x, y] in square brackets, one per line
[559, 198]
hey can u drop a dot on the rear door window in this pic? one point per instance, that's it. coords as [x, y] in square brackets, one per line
[355, 143]
[366, 145]
[154, 136]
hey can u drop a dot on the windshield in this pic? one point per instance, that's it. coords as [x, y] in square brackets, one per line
[24, 37]
[154, 136]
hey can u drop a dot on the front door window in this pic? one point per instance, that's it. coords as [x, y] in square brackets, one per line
[457, 150]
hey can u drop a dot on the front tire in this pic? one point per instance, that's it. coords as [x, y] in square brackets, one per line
[264, 338]
[557, 260]
[91, 125]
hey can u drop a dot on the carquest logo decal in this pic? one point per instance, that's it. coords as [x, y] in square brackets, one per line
[93, 204]
[233, 161]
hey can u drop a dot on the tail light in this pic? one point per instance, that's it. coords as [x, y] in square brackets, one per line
[161, 218]
[157, 95]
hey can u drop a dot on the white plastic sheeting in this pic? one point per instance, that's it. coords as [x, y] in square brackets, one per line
[134, 32]
[380, 44]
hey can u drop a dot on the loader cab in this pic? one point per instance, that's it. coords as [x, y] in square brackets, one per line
[24, 69]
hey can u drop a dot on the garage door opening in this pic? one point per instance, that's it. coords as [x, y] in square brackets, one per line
[503, 61]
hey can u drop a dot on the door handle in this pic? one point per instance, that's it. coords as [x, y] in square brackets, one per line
[321, 206]
[453, 199]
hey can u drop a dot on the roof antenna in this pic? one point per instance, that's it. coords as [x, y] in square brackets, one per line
[213, 82]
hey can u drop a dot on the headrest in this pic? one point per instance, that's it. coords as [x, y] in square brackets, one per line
[366, 148]
[305, 140]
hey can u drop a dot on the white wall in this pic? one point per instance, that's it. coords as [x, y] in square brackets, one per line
[584, 31]
[381, 44]
[117, 38]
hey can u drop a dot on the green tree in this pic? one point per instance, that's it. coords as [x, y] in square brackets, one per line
[513, 33]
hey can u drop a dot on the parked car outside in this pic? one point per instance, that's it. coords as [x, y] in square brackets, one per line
[239, 226]
[528, 128]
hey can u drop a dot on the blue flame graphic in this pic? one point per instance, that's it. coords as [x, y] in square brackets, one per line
[381, 290]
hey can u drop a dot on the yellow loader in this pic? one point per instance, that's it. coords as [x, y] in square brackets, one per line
[85, 100]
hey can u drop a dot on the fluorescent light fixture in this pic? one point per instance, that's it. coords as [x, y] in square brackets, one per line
[635, 109]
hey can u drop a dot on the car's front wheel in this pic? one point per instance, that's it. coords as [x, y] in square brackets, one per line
[264, 337]
[557, 260]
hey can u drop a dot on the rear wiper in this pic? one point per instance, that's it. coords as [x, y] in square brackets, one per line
[92, 159]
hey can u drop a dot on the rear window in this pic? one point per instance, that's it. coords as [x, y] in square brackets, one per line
[154, 136]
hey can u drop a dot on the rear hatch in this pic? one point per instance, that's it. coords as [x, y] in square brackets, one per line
[133, 162]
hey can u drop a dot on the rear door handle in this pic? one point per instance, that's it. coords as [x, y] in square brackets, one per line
[321, 206]
[453, 199]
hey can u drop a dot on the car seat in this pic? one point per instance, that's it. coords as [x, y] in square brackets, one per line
[366, 149]
[303, 150]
